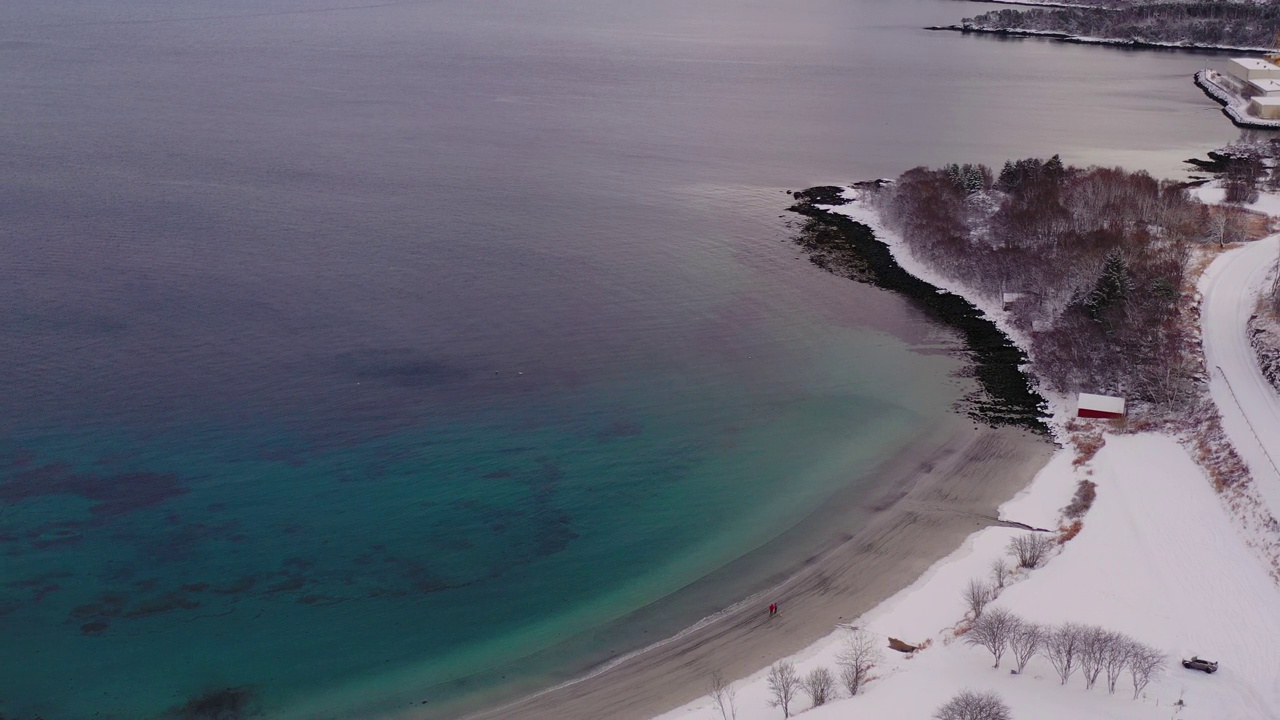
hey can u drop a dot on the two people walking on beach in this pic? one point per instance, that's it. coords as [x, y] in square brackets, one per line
[773, 609]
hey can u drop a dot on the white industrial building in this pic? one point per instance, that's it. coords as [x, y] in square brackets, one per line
[1267, 108]
[1253, 69]
[1267, 87]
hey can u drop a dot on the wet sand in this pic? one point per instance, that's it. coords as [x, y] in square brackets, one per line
[938, 492]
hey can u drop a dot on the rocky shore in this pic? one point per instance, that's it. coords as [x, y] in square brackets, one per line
[848, 248]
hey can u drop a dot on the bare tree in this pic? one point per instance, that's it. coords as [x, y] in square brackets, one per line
[976, 595]
[969, 705]
[1115, 657]
[1226, 224]
[783, 685]
[992, 630]
[1094, 643]
[1031, 549]
[1062, 648]
[1145, 664]
[860, 654]
[724, 696]
[820, 684]
[999, 573]
[1275, 281]
[1025, 642]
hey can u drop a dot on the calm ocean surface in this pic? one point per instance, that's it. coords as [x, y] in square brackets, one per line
[402, 351]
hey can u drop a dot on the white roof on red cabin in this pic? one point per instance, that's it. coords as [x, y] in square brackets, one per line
[1100, 403]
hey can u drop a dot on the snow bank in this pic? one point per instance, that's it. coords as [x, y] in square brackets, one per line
[1214, 194]
[1158, 558]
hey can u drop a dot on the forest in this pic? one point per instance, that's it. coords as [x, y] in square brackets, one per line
[1098, 258]
[1219, 24]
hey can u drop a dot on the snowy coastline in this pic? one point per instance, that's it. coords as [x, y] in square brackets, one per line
[1044, 4]
[1087, 40]
[1214, 85]
[1157, 542]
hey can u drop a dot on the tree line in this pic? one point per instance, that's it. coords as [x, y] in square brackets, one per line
[1234, 24]
[1097, 258]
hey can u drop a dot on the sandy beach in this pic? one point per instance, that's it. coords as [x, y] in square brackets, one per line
[939, 491]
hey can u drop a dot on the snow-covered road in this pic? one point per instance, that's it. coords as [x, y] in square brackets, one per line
[1250, 406]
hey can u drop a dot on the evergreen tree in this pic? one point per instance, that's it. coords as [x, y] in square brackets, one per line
[1054, 170]
[1111, 289]
[972, 177]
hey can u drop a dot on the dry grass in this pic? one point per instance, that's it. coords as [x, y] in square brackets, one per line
[1086, 493]
[1066, 533]
[1253, 224]
[1087, 441]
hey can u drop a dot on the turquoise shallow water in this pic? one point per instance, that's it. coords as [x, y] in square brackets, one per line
[371, 354]
[141, 569]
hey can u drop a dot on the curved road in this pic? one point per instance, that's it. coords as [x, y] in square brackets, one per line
[1249, 405]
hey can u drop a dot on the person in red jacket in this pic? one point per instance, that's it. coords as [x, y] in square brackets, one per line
[773, 609]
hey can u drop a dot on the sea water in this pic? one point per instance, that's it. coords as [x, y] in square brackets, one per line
[368, 355]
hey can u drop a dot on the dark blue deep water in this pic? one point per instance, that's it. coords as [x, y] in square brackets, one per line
[362, 354]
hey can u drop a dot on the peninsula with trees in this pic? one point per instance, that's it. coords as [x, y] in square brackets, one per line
[1229, 25]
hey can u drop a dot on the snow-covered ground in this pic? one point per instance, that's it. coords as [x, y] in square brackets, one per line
[1249, 404]
[1160, 558]
[1213, 194]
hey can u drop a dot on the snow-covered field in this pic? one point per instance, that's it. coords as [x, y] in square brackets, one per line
[1159, 558]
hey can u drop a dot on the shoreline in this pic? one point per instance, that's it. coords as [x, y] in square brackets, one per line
[937, 492]
[842, 245]
[1083, 40]
[1231, 103]
[1144, 567]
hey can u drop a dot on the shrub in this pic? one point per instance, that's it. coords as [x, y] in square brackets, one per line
[999, 573]
[969, 705]
[1068, 532]
[1062, 647]
[1145, 664]
[1086, 492]
[1025, 641]
[820, 684]
[976, 595]
[993, 630]
[1030, 550]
